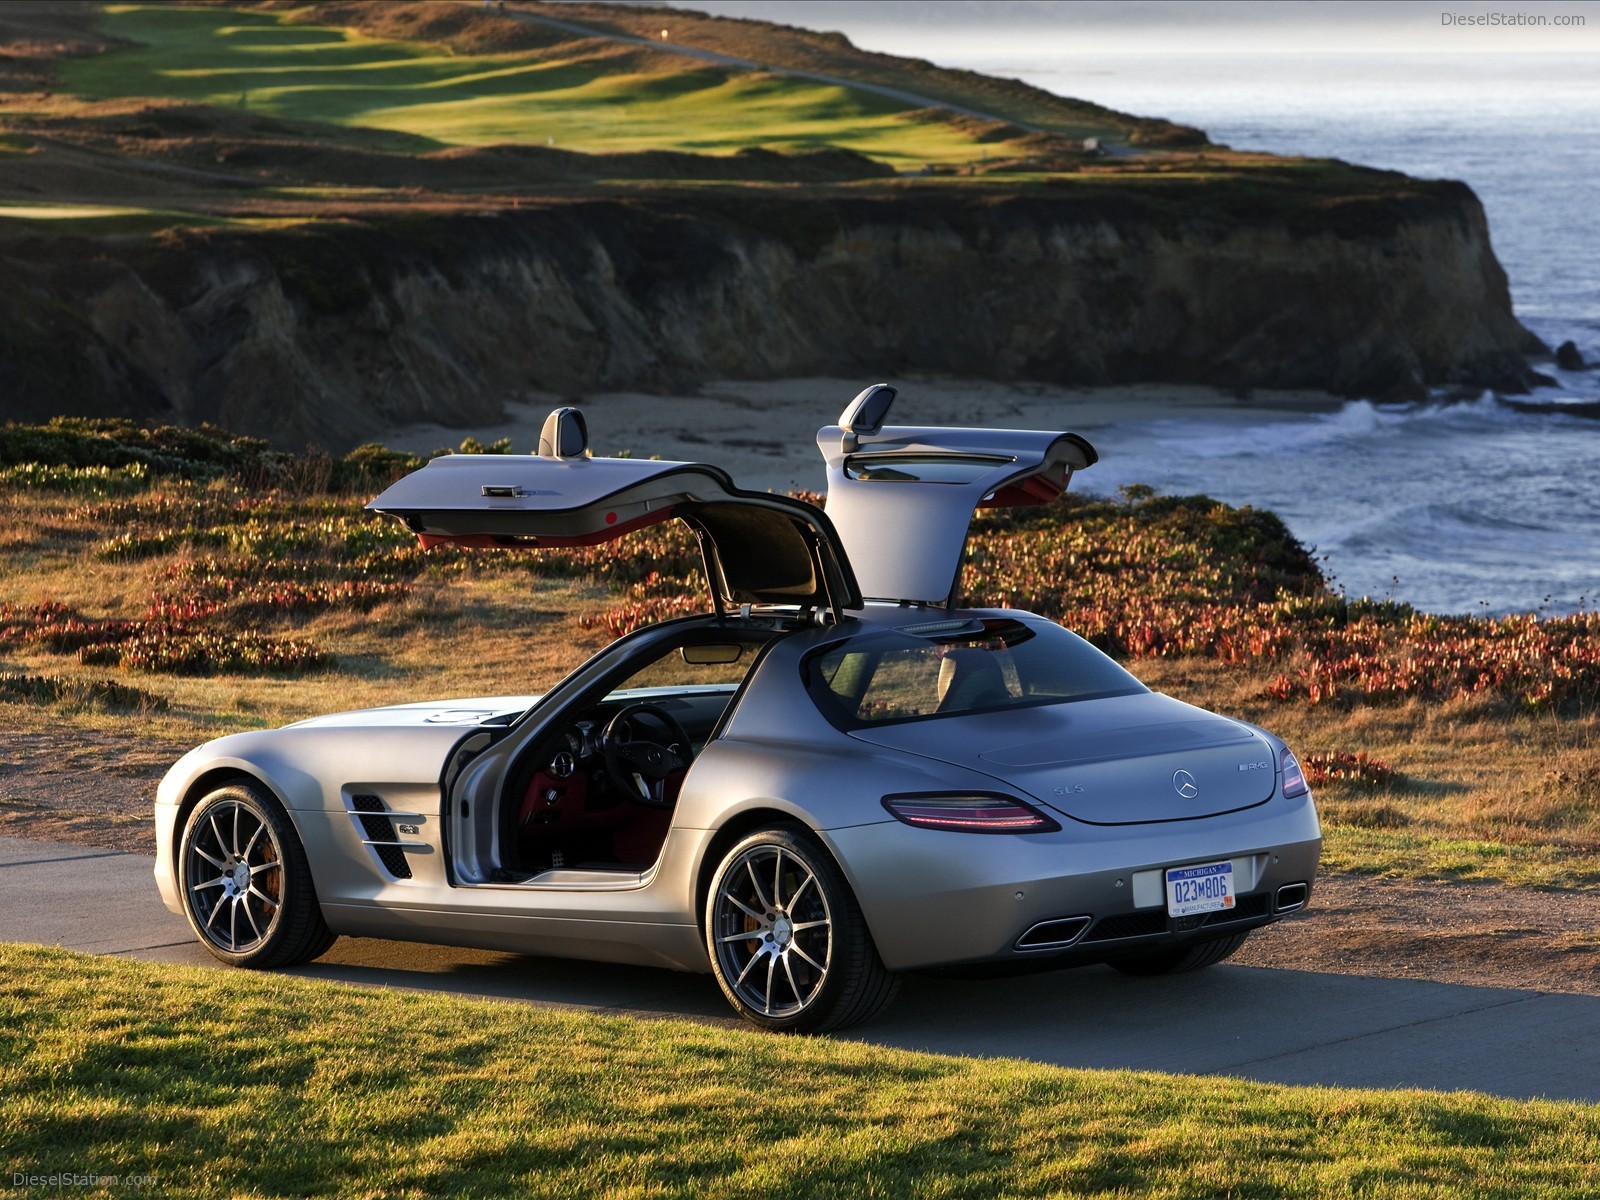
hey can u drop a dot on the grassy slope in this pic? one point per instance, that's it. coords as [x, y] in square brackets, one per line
[336, 111]
[832, 54]
[587, 96]
[1481, 772]
[216, 1082]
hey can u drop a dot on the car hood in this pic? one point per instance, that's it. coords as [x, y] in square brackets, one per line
[481, 710]
[1122, 760]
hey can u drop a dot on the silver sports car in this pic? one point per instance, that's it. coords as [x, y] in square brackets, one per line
[833, 777]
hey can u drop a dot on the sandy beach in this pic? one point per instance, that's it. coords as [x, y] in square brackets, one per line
[764, 432]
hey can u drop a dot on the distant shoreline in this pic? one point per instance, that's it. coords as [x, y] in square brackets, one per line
[764, 432]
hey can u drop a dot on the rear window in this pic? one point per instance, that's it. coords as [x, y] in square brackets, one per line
[959, 667]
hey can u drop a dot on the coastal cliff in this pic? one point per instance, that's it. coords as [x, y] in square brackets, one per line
[333, 332]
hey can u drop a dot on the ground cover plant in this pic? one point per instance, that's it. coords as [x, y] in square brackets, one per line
[232, 586]
[208, 1083]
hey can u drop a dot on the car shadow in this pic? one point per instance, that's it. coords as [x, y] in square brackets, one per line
[1298, 1027]
[1283, 1026]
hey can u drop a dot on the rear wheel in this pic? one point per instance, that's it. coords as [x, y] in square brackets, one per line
[246, 885]
[787, 940]
[1187, 958]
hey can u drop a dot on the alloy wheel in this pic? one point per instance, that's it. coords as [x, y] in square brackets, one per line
[233, 871]
[772, 930]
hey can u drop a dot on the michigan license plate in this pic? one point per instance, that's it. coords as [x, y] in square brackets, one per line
[1202, 889]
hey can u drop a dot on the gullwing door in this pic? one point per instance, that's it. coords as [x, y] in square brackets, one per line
[759, 548]
[902, 496]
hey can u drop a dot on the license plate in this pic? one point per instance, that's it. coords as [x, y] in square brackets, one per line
[1202, 889]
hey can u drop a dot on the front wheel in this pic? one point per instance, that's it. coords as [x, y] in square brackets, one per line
[1188, 958]
[787, 940]
[246, 885]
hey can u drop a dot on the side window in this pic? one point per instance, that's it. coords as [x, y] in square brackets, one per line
[698, 664]
[990, 665]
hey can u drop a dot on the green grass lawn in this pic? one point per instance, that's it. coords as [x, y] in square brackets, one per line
[211, 1082]
[593, 101]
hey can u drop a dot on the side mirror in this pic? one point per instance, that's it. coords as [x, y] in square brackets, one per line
[565, 434]
[866, 413]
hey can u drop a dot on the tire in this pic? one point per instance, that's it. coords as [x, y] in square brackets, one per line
[788, 944]
[245, 882]
[1193, 957]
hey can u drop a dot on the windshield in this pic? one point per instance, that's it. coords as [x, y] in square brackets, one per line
[959, 666]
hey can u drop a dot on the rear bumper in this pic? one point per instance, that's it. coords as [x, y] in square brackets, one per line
[934, 899]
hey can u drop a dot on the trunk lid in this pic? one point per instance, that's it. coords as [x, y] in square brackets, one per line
[1122, 760]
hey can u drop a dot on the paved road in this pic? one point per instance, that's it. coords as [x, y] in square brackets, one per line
[749, 64]
[1281, 1026]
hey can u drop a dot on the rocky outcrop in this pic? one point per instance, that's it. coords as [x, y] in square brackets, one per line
[333, 332]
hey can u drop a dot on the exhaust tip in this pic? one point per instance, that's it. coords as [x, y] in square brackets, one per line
[1052, 935]
[1292, 896]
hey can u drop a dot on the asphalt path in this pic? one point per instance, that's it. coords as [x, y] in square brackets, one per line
[1295, 1027]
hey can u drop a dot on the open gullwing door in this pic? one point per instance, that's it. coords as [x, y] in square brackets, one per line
[759, 548]
[902, 496]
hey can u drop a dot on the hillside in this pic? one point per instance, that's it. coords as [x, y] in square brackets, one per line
[206, 583]
[310, 222]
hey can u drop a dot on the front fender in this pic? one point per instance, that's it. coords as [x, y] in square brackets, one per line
[311, 771]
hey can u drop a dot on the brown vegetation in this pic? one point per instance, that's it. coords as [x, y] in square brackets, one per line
[465, 28]
[35, 34]
[251, 546]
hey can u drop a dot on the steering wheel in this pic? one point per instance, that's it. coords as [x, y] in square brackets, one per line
[640, 768]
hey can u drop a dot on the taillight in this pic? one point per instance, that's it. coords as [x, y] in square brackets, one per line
[969, 812]
[1294, 779]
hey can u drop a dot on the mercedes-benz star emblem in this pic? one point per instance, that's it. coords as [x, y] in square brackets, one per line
[1183, 783]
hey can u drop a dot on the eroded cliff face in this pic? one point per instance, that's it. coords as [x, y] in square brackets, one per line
[334, 333]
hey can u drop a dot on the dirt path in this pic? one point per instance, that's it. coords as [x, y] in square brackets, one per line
[95, 788]
[91, 787]
[1453, 933]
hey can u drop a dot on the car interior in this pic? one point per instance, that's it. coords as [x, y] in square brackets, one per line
[597, 791]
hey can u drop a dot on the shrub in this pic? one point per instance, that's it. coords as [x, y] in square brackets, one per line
[90, 481]
[87, 693]
[179, 652]
[1347, 767]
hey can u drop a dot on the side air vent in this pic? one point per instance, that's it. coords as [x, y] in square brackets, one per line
[1052, 935]
[381, 836]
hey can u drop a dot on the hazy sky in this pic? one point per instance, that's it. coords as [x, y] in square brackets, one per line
[936, 29]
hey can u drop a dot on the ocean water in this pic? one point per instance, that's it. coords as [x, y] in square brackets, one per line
[1468, 508]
